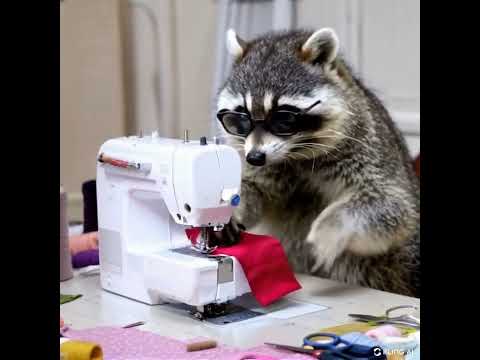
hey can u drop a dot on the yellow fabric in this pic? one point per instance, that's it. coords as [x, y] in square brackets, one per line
[81, 350]
[362, 327]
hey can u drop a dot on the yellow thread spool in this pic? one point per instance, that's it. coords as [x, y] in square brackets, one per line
[81, 350]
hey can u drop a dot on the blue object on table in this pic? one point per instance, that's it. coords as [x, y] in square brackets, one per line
[349, 346]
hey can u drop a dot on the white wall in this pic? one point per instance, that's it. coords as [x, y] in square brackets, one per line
[91, 89]
[380, 38]
[175, 52]
[149, 64]
[91, 85]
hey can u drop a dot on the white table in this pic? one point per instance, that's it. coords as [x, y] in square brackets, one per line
[98, 307]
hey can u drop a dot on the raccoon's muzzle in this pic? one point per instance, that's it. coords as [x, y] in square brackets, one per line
[256, 158]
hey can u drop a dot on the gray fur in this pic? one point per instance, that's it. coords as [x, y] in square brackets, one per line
[346, 205]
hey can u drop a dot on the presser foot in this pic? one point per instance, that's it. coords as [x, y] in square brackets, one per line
[209, 311]
[223, 314]
[203, 243]
[204, 250]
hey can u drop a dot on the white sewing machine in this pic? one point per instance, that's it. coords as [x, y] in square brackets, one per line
[149, 190]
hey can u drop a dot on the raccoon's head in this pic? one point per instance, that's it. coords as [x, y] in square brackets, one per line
[284, 97]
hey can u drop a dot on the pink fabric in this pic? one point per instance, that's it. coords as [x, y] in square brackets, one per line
[247, 356]
[383, 331]
[264, 263]
[134, 344]
[83, 242]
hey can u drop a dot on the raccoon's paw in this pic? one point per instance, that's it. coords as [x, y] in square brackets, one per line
[328, 242]
[228, 236]
[325, 250]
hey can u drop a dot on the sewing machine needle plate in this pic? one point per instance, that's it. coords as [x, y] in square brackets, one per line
[235, 314]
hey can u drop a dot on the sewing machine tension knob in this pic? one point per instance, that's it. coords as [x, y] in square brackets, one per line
[235, 200]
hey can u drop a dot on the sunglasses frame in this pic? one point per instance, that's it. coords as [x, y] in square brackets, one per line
[254, 122]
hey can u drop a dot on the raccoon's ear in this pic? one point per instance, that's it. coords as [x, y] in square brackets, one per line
[321, 47]
[235, 45]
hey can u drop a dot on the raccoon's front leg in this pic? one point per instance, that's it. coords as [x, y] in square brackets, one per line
[246, 215]
[363, 228]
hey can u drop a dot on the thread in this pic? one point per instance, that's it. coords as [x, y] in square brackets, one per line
[80, 350]
[66, 271]
[201, 345]
[83, 242]
[90, 216]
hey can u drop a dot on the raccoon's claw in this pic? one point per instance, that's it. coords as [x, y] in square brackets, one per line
[228, 236]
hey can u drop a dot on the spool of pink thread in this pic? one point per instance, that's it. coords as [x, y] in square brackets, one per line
[383, 331]
[83, 242]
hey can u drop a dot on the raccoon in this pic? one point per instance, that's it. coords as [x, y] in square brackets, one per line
[325, 170]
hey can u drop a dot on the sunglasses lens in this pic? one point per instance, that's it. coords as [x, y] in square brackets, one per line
[236, 124]
[283, 123]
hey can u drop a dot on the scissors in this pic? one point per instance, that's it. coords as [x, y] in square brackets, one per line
[404, 319]
[334, 348]
[315, 353]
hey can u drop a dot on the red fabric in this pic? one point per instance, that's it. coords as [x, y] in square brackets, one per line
[264, 263]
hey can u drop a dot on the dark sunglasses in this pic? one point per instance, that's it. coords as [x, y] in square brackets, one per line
[280, 123]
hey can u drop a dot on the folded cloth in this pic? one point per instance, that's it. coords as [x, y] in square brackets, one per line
[83, 242]
[85, 258]
[383, 331]
[264, 263]
[408, 345]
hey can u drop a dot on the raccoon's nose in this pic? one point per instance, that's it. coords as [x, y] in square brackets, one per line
[256, 158]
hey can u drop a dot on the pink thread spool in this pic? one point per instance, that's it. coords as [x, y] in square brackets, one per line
[383, 331]
[66, 271]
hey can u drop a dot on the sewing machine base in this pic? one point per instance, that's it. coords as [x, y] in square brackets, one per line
[153, 278]
[234, 314]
